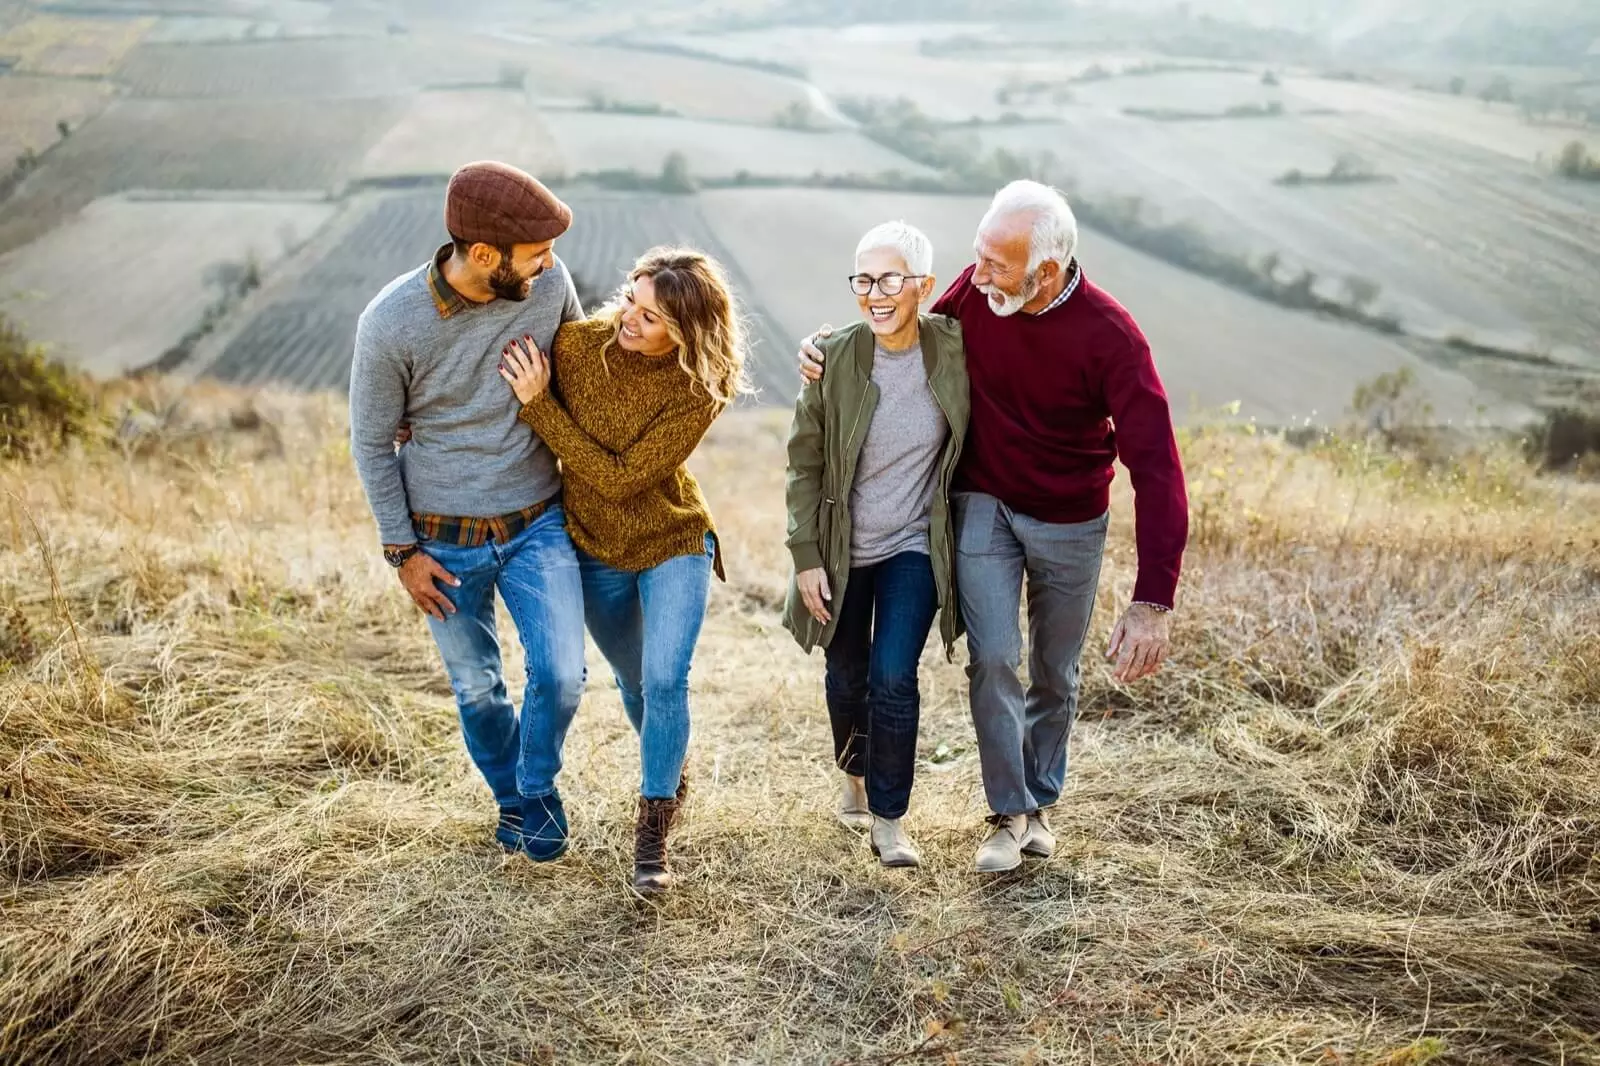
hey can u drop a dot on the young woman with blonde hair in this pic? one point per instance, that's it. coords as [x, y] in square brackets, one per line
[634, 390]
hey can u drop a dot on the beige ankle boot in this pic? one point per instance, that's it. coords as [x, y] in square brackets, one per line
[891, 845]
[1039, 841]
[853, 811]
[1002, 849]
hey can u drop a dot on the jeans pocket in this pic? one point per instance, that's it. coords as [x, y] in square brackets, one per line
[975, 515]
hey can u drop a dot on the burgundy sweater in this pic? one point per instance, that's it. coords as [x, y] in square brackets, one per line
[1056, 398]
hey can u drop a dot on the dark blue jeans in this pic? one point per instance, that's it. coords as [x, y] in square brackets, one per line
[873, 700]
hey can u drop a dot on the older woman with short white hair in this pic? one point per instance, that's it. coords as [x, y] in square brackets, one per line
[872, 455]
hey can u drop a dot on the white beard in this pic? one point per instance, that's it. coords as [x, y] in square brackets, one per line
[1005, 305]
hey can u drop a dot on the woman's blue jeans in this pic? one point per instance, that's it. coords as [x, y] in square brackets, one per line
[646, 623]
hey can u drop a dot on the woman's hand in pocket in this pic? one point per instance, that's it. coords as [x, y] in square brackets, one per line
[815, 594]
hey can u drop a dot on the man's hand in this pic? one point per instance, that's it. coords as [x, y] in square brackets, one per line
[811, 356]
[526, 369]
[815, 594]
[420, 574]
[402, 434]
[1140, 642]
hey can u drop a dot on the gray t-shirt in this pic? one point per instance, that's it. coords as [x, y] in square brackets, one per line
[898, 472]
[433, 359]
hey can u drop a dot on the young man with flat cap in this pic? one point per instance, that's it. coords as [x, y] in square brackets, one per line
[471, 503]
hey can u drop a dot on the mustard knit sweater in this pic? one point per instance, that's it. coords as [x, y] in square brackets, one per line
[623, 425]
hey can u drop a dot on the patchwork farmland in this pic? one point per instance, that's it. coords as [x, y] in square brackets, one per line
[1466, 237]
[303, 332]
[170, 261]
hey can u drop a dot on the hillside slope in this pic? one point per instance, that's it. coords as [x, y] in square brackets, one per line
[1355, 822]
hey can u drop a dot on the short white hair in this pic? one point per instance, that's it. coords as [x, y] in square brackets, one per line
[912, 244]
[1055, 227]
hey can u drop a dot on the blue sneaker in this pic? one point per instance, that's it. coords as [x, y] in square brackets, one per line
[544, 827]
[509, 830]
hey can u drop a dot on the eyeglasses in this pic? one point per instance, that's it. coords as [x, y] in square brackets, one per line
[888, 284]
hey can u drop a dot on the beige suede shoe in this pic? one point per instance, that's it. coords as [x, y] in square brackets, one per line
[853, 813]
[891, 845]
[1039, 840]
[1002, 849]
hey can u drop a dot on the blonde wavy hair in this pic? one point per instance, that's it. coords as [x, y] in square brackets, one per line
[700, 314]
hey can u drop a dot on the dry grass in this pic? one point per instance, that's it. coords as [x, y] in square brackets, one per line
[1355, 822]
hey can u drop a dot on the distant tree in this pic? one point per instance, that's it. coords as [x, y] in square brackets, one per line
[1458, 85]
[1270, 79]
[675, 176]
[1392, 406]
[64, 128]
[1349, 167]
[1361, 292]
[796, 116]
[1498, 91]
[1575, 162]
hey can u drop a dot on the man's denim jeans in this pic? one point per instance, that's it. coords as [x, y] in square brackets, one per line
[873, 699]
[646, 624]
[536, 573]
[1022, 737]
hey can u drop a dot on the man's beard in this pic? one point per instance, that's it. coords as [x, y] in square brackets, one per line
[1009, 305]
[507, 284]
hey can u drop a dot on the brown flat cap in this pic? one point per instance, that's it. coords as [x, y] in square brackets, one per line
[500, 205]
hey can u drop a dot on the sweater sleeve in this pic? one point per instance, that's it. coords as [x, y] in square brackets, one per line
[377, 406]
[950, 302]
[617, 476]
[571, 307]
[803, 488]
[1148, 447]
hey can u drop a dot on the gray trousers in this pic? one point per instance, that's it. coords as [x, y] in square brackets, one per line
[1022, 735]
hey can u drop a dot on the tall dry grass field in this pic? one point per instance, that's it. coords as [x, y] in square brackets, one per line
[1355, 821]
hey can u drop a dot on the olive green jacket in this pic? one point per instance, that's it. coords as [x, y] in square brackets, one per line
[830, 427]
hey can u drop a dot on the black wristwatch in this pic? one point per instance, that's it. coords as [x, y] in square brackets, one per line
[396, 557]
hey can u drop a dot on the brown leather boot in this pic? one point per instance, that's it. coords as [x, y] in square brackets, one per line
[650, 829]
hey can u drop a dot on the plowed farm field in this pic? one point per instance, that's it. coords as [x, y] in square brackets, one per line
[442, 130]
[301, 335]
[235, 145]
[34, 105]
[588, 142]
[164, 261]
[71, 47]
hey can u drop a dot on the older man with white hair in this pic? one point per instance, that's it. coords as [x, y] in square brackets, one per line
[1062, 385]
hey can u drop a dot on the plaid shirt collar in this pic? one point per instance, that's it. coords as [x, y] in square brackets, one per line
[445, 298]
[1066, 293]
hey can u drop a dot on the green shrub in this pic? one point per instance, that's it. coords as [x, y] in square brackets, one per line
[42, 403]
[1568, 439]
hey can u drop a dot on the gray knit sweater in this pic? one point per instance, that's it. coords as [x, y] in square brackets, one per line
[433, 360]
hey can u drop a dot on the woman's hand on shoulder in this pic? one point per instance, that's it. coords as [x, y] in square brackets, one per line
[526, 369]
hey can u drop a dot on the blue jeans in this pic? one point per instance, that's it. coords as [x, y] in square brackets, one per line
[646, 623]
[1022, 736]
[871, 684]
[536, 573]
